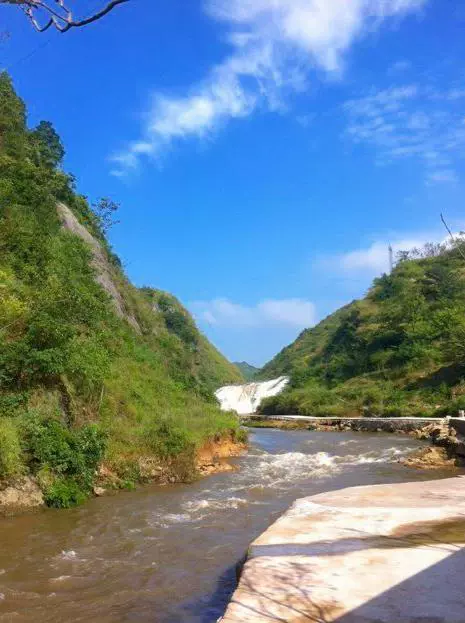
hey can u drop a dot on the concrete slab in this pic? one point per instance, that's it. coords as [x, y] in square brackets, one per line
[379, 554]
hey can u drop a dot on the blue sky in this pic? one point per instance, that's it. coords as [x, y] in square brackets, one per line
[264, 152]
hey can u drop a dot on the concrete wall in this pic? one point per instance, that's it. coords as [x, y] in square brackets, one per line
[390, 425]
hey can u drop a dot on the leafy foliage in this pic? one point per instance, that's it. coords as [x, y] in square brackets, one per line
[104, 210]
[49, 148]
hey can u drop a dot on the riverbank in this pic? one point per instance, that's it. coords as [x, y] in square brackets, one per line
[24, 495]
[384, 553]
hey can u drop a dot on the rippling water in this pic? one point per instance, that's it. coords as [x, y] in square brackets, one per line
[168, 554]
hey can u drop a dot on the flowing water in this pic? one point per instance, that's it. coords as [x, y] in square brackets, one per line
[168, 554]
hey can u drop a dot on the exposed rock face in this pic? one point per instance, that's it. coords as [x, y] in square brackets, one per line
[384, 554]
[245, 399]
[99, 262]
[20, 496]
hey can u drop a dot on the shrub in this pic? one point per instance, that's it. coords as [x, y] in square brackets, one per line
[166, 441]
[91, 442]
[10, 449]
[64, 493]
[12, 403]
[65, 460]
[52, 445]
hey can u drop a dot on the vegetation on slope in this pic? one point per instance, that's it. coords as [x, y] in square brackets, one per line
[400, 351]
[79, 384]
[248, 371]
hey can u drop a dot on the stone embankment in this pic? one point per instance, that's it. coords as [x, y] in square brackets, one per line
[384, 553]
[367, 424]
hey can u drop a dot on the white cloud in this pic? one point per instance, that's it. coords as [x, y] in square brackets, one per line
[399, 67]
[373, 259]
[221, 312]
[442, 176]
[274, 45]
[411, 121]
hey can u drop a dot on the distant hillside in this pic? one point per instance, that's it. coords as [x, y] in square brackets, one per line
[309, 343]
[92, 368]
[248, 371]
[398, 351]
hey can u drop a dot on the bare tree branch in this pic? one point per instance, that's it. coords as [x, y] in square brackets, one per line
[61, 18]
[454, 240]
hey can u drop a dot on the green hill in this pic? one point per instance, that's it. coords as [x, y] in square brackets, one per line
[248, 371]
[399, 351]
[92, 369]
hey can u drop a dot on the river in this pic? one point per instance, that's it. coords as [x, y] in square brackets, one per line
[168, 554]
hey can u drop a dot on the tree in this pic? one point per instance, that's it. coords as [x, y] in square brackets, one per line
[46, 13]
[13, 137]
[105, 209]
[48, 144]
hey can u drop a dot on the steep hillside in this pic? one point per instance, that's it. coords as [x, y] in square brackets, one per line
[297, 356]
[248, 371]
[92, 369]
[398, 351]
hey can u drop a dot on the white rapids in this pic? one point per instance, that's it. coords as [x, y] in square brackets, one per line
[245, 399]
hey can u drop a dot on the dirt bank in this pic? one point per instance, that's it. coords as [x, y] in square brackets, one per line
[212, 457]
[23, 495]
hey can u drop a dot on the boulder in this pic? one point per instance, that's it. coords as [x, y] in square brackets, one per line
[20, 495]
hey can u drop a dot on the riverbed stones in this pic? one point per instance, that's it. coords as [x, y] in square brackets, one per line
[431, 457]
[384, 553]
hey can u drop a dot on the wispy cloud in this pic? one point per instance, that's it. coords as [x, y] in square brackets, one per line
[221, 312]
[373, 259]
[399, 67]
[446, 176]
[411, 121]
[275, 44]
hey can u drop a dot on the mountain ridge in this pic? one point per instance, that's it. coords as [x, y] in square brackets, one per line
[248, 371]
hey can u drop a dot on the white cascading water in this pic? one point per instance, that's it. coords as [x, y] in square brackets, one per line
[245, 399]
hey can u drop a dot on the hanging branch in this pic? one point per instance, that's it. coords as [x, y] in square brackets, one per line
[454, 240]
[61, 18]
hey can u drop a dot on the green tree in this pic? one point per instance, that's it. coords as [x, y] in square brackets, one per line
[48, 145]
[105, 210]
[12, 119]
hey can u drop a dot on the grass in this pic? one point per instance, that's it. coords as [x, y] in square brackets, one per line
[11, 460]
